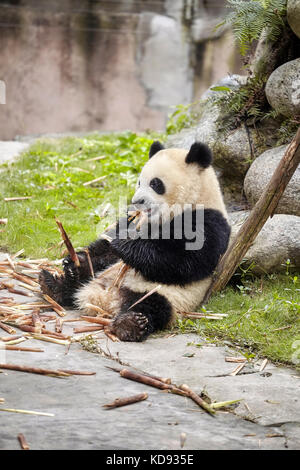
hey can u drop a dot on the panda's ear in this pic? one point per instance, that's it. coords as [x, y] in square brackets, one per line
[155, 147]
[199, 153]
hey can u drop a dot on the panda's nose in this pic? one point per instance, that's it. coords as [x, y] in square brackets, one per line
[138, 202]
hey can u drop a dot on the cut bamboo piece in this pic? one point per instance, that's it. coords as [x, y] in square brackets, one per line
[128, 374]
[126, 401]
[99, 320]
[235, 359]
[110, 335]
[34, 370]
[145, 296]
[195, 397]
[54, 304]
[77, 372]
[70, 248]
[23, 443]
[90, 262]
[22, 348]
[27, 412]
[97, 309]
[237, 369]
[87, 329]
[49, 339]
[96, 180]
[7, 328]
[17, 198]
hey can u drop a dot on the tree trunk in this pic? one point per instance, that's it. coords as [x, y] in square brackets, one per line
[263, 209]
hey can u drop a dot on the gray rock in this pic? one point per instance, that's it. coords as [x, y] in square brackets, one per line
[260, 174]
[293, 16]
[277, 242]
[283, 88]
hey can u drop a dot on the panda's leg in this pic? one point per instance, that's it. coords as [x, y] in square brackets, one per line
[135, 324]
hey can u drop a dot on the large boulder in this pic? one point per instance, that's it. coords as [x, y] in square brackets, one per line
[283, 88]
[260, 173]
[293, 16]
[277, 242]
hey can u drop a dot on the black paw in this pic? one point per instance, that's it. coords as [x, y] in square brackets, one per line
[131, 326]
[77, 273]
[57, 287]
[50, 285]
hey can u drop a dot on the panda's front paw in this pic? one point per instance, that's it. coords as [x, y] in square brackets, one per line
[75, 273]
[131, 326]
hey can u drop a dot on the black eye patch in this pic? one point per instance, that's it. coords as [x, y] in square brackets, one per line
[157, 185]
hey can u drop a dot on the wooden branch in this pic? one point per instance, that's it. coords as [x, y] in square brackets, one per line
[263, 209]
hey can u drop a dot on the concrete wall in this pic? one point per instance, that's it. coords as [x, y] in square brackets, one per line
[82, 65]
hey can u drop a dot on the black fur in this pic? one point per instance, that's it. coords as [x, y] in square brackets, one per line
[155, 147]
[138, 322]
[199, 153]
[158, 186]
[167, 261]
[62, 289]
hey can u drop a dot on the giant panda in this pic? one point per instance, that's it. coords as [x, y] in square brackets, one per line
[179, 276]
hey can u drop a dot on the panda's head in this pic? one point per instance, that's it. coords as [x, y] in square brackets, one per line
[176, 177]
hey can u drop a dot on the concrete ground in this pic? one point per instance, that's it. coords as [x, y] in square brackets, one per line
[268, 417]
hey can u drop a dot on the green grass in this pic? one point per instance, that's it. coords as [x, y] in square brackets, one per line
[49, 172]
[263, 318]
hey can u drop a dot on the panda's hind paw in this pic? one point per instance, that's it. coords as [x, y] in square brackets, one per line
[131, 326]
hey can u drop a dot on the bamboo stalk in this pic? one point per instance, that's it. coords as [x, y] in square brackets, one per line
[110, 335]
[238, 369]
[263, 209]
[224, 404]
[97, 309]
[25, 279]
[128, 374]
[27, 412]
[126, 401]
[195, 397]
[77, 372]
[235, 359]
[70, 248]
[87, 183]
[87, 329]
[22, 348]
[7, 328]
[90, 262]
[10, 338]
[58, 308]
[99, 320]
[23, 443]
[34, 370]
[145, 296]
[21, 198]
[14, 341]
[49, 339]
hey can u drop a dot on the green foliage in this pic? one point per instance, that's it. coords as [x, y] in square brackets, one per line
[184, 116]
[263, 317]
[245, 104]
[53, 173]
[249, 18]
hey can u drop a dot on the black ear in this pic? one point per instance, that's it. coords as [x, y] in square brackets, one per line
[155, 147]
[199, 153]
